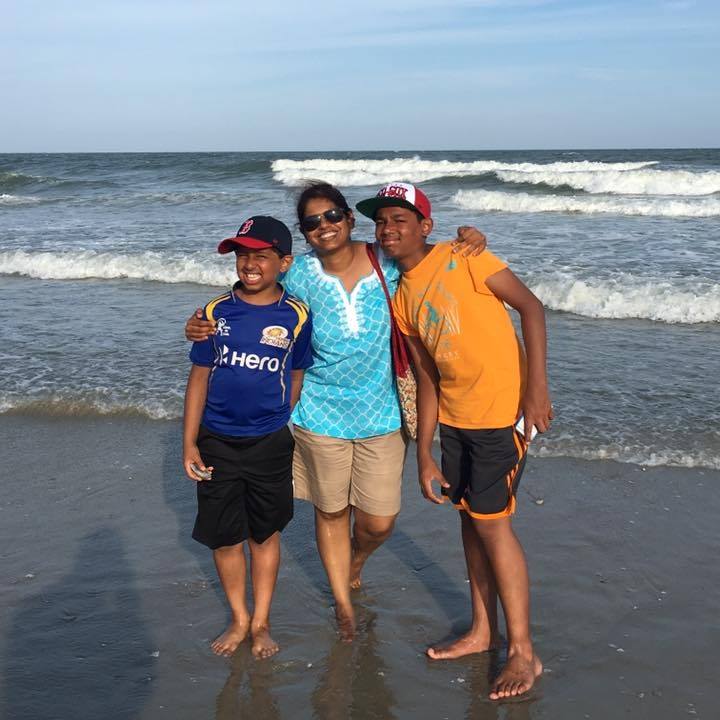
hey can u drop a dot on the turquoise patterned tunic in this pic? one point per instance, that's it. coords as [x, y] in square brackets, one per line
[349, 392]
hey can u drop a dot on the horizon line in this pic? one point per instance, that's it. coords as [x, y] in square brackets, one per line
[381, 150]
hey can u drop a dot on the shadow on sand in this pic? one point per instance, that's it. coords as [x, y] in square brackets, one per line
[79, 649]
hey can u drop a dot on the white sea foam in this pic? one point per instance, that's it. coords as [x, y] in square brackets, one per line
[622, 182]
[633, 454]
[7, 199]
[170, 408]
[489, 201]
[628, 296]
[376, 172]
[199, 268]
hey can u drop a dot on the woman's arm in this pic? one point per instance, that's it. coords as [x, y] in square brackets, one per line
[197, 329]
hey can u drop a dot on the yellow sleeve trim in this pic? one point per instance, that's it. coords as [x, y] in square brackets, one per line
[210, 307]
[302, 311]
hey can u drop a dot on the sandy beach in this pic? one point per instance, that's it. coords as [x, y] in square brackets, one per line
[108, 605]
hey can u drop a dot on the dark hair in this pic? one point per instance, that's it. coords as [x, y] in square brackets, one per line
[317, 189]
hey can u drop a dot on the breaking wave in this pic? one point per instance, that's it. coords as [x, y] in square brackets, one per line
[621, 182]
[619, 297]
[489, 201]
[414, 169]
[627, 296]
[200, 268]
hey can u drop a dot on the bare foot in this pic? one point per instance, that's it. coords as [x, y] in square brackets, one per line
[263, 646]
[355, 579]
[227, 643]
[517, 677]
[465, 645]
[356, 566]
[346, 624]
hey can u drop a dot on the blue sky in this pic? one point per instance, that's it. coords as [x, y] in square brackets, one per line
[164, 75]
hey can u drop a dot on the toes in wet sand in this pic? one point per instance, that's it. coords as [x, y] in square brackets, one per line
[517, 677]
[229, 641]
[355, 582]
[263, 646]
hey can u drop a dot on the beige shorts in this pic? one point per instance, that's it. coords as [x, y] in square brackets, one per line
[333, 473]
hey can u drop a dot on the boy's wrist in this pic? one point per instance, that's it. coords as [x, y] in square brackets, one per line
[424, 455]
[537, 385]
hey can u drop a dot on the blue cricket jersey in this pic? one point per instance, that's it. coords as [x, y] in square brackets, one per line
[251, 355]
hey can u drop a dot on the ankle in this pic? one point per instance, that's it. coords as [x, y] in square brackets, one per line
[238, 617]
[344, 610]
[521, 648]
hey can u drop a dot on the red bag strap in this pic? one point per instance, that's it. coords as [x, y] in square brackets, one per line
[400, 354]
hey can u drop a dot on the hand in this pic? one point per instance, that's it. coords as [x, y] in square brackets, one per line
[538, 410]
[191, 456]
[197, 329]
[469, 241]
[429, 472]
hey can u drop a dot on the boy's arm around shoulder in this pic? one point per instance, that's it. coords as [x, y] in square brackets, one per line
[427, 378]
[536, 405]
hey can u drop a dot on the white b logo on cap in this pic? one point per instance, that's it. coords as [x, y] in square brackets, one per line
[246, 227]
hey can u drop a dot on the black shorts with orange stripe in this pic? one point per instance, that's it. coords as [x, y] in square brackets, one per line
[483, 468]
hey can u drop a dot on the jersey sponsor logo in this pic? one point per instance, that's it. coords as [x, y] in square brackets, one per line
[251, 361]
[222, 327]
[276, 336]
[394, 191]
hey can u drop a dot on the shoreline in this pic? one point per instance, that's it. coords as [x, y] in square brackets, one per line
[110, 604]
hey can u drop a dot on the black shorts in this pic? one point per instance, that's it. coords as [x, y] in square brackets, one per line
[483, 468]
[250, 494]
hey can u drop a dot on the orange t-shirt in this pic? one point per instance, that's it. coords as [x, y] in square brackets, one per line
[467, 330]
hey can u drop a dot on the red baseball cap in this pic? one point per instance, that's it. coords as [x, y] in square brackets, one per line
[396, 194]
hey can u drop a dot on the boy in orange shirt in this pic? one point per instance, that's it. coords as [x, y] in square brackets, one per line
[474, 378]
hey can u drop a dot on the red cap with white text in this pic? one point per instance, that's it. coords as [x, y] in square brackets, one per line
[396, 194]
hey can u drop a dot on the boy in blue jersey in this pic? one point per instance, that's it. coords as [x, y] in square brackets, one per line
[236, 443]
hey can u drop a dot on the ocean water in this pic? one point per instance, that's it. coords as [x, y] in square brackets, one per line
[103, 256]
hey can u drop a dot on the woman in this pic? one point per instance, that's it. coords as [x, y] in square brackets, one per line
[349, 447]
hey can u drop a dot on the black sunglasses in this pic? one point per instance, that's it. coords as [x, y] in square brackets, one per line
[312, 222]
